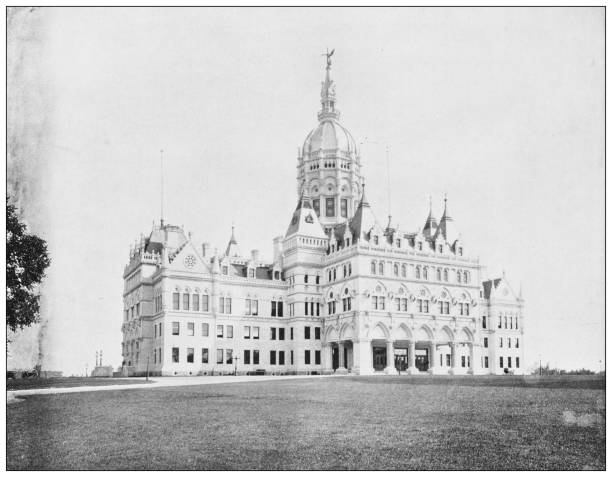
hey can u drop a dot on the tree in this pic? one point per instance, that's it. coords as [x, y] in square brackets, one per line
[26, 261]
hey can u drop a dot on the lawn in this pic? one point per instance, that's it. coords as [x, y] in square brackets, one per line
[68, 382]
[321, 423]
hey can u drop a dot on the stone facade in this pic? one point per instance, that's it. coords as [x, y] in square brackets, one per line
[342, 293]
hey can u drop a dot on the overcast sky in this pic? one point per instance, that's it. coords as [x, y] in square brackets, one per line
[501, 108]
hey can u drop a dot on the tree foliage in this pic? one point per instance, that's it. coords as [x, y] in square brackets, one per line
[26, 261]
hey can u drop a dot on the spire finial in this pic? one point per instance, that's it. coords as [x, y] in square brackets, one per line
[430, 206]
[328, 92]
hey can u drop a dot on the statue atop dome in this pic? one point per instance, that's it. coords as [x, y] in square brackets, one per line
[329, 55]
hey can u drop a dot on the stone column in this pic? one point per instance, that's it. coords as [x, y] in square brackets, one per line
[390, 368]
[362, 357]
[412, 369]
[341, 364]
[432, 357]
[326, 360]
[454, 368]
[472, 360]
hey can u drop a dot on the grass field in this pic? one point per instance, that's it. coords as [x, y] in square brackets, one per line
[321, 423]
[68, 382]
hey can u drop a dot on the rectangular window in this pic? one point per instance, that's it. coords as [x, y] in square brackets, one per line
[247, 357]
[318, 357]
[501, 362]
[228, 306]
[195, 302]
[224, 270]
[175, 355]
[448, 360]
[247, 332]
[517, 362]
[509, 362]
[273, 312]
[291, 356]
[272, 333]
[330, 207]
[219, 331]
[486, 361]
[255, 332]
[219, 356]
[307, 356]
[509, 343]
[185, 301]
[204, 329]
[291, 332]
[486, 342]
[501, 342]
[155, 356]
[517, 344]
[175, 328]
[306, 332]
[281, 333]
[499, 322]
[190, 329]
[306, 308]
[484, 322]
[221, 305]
[343, 207]
[255, 307]
[255, 356]
[463, 361]
[280, 308]
[316, 205]
[230, 331]
[272, 357]
[204, 302]
[228, 356]
[204, 355]
[317, 333]
[281, 358]
[190, 355]
[247, 307]
[175, 301]
[425, 306]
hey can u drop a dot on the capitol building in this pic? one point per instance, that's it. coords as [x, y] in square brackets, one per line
[344, 292]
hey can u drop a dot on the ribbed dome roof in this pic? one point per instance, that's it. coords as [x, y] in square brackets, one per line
[329, 134]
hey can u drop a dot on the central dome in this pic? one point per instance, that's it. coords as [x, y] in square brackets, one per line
[329, 135]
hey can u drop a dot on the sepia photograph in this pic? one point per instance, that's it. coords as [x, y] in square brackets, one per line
[305, 238]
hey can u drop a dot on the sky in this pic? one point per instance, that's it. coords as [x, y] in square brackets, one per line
[500, 108]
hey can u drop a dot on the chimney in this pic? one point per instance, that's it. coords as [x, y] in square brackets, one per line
[278, 248]
[255, 255]
[205, 249]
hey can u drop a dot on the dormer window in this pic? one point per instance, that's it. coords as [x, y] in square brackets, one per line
[439, 248]
[277, 275]
[224, 270]
[398, 243]
[420, 245]
[375, 239]
[251, 273]
[460, 250]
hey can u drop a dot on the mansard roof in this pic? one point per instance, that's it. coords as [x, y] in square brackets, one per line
[304, 220]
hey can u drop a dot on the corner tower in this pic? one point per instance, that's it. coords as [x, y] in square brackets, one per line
[328, 163]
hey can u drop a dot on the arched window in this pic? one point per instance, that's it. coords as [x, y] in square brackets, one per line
[373, 267]
[404, 270]
[375, 239]
[438, 274]
[344, 270]
[381, 268]
[396, 270]
[446, 274]
[424, 273]
[417, 272]
[350, 269]
[458, 276]
[440, 248]
[466, 277]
